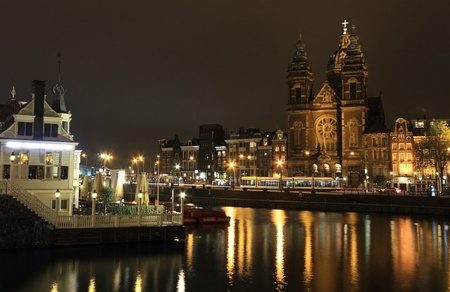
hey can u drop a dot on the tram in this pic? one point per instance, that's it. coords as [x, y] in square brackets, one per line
[296, 183]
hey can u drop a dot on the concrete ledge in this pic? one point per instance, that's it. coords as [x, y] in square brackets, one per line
[93, 236]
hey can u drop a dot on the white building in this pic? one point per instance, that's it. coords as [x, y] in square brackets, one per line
[37, 150]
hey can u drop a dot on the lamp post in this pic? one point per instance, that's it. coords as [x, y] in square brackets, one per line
[84, 155]
[177, 171]
[314, 170]
[140, 196]
[135, 161]
[105, 157]
[280, 165]
[12, 158]
[57, 196]
[232, 166]
[93, 196]
[182, 196]
[141, 159]
[157, 182]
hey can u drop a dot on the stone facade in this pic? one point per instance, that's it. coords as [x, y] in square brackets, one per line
[326, 129]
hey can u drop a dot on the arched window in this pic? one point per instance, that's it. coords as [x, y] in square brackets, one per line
[297, 133]
[353, 133]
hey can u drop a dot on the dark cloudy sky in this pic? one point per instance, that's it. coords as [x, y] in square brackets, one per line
[138, 71]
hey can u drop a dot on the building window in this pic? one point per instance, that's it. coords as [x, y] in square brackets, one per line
[353, 138]
[36, 172]
[65, 126]
[63, 204]
[64, 172]
[353, 90]
[6, 170]
[50, 130]
[24, 129]
[53, 170]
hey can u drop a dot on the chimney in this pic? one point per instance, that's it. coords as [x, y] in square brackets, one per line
[39, 98]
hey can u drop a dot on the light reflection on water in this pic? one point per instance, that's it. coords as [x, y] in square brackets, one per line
[260, 250]
[278, 219]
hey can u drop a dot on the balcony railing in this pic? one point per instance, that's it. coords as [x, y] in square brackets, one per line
[86, 221]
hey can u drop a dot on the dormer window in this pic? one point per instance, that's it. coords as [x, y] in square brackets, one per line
[24, 129]
[65, 126]
[50, 130]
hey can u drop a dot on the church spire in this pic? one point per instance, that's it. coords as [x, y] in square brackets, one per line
[299, 75]
[58, 89]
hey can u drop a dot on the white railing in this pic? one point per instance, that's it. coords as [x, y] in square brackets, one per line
[109, 221]
[86, 221]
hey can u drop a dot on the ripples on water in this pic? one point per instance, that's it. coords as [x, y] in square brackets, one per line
[260, 250]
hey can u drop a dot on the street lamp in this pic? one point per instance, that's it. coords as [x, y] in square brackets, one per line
[157, 182]
[135, 161]
[232, 166]
[93, 196]
[280, 165]
[105, 157]
[141, 159]
[182, 196]
[12, 158]
[140, 196]
[177, 170]
[57, 196]
[314, 171]
[84, 155]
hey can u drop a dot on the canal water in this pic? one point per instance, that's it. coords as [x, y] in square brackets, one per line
[260, 250]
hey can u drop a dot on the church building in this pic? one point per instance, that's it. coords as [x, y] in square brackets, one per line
[327, 128]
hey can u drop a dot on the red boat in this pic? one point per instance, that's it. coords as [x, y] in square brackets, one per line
[199, 215]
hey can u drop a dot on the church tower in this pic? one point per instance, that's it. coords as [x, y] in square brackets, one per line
[300, 80]
[300, 77]
[326, 128]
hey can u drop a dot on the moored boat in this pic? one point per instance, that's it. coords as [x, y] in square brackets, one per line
[199, 215]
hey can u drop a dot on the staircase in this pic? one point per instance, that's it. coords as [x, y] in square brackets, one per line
[31, 202]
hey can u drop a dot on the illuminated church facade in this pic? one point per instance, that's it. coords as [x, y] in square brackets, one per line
[329, 130]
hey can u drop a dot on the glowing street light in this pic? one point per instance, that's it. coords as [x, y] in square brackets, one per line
[135, 161]
[157, 182]
[232, 165]
[105, 157]
[280, 164]
[57, 196]
[12, 159]
[182, 196]
[141, 159]
[140, 196]
[94, 197]
[84, 155]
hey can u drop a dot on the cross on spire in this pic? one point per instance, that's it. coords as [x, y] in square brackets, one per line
[13, 92]
[344, 24]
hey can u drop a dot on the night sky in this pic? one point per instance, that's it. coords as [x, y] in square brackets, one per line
[137, 72]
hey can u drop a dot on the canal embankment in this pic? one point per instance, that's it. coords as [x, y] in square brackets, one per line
[22, 228]
[322, 201]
